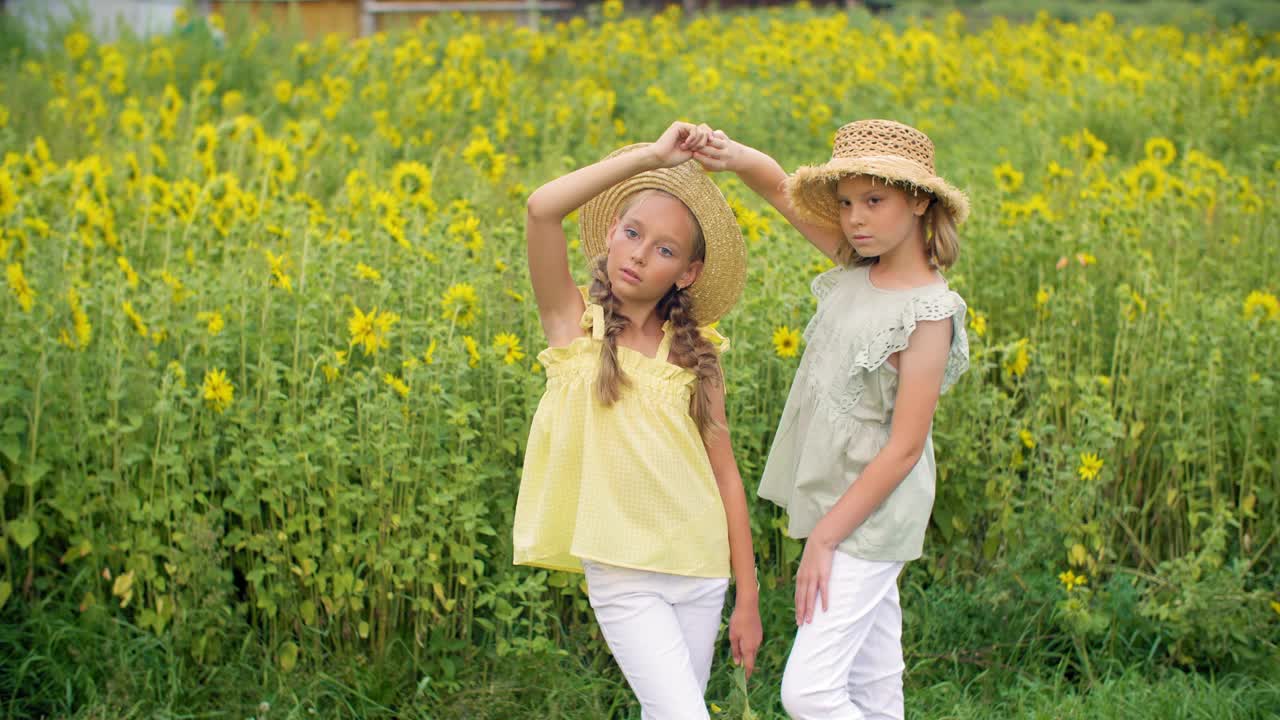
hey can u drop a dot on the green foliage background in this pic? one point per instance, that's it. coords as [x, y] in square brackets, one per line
[320, 538]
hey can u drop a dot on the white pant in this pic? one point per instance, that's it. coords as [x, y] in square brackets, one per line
[662, 631]
[847, 664]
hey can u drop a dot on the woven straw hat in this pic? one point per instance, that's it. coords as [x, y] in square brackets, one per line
[881, 148]
[724, 270]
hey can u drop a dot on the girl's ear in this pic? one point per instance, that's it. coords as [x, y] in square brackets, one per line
[690, 275]
[608, 239]
[920, 203]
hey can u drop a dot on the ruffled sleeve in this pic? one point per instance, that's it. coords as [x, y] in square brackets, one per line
[824, 282]
[897, 335]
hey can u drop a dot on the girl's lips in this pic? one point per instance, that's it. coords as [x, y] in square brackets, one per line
[629, 275]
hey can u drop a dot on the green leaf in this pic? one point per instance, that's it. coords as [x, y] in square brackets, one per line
[133, 422]
[24, 531]
[148, 619]
[791, 550]
[308, 612]
[288, 656]
[6, 589]
[9, 446]
[740, 681]
[942, 521]
[78, 550]
[32, 473]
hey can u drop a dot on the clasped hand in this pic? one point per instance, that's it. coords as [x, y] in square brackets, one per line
[685, 141]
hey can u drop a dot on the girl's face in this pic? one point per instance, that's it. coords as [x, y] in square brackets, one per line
[651, 248]
[879, 219]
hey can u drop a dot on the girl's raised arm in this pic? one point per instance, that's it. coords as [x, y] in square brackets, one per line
[560, 306]
[765, 176]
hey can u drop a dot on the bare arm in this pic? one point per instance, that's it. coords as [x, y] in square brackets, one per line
[745, 632]
[920, 371]
[765, 176]
[560, 305]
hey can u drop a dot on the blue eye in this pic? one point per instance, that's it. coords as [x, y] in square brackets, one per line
[631, 233]
[873, 200]
[666, 252]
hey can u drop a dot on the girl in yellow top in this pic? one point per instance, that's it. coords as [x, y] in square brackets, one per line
[629, 473]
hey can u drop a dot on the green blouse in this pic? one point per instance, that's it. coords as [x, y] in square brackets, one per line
[840, 410]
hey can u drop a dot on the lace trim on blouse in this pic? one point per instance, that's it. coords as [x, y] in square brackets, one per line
[859, 352]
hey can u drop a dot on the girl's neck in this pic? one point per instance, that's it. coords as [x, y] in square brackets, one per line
[644, 319]
[905, 266]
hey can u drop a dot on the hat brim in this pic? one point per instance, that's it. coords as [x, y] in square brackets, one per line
[812, 188]
[724, 269]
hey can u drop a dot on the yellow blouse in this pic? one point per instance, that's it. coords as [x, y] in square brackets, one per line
[628, 485]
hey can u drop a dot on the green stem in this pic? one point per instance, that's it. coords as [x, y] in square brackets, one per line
[33, 446]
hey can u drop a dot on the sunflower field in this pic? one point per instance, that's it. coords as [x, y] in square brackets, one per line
[270, 357]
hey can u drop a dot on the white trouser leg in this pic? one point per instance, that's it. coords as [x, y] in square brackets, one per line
[661, 630]
[699, 619]
[847, 663]
[875, 680]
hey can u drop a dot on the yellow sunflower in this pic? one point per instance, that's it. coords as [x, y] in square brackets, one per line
[1160, 150]
[1007, 178]
[461, 304]
[786, 342]
[411, 181]
[8, 194]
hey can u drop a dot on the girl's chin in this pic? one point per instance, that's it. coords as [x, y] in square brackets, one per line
[633, 293]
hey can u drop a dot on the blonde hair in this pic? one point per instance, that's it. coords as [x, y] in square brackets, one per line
[941, 239]
[689, 349]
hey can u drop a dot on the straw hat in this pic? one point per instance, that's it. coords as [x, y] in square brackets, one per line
[724, 270]
[882, 148]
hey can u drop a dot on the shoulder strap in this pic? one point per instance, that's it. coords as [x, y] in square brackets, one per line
[664, 347]
[593, 320]
[713, 336]
[592, 316]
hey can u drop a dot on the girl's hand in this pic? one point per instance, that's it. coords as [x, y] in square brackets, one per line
[679, 143]
[745, 635]
[719, 152]
[813, 579]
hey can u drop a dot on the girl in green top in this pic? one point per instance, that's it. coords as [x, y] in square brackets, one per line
[852, 461]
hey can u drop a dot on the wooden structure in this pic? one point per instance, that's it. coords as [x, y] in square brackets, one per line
[365, 17]
[317, 18]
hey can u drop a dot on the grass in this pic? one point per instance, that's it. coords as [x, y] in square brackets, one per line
[62, 664]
